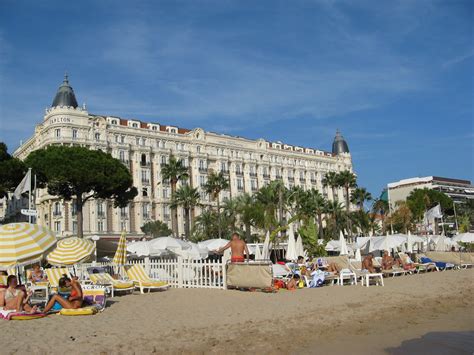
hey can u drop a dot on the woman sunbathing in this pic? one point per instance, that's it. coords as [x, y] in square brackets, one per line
[388, 262]
[37, 275]
[14, 299]
[74, 300]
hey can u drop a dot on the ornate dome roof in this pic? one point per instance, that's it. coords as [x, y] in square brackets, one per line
[65, 95]
[339, 145]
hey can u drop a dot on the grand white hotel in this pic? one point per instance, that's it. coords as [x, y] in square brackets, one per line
[144, 147]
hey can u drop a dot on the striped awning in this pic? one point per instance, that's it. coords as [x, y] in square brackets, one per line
[120, 257]
[71, 251]
[24, 243]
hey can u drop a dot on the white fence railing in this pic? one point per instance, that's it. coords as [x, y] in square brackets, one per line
[178, 272]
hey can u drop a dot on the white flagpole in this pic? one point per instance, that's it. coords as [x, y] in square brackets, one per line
[34, 195]
[30, 195]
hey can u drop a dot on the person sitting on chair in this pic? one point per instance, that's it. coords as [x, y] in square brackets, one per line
[37, 275]
[74, 300]
[368, 264]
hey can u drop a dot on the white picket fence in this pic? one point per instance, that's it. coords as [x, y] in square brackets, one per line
[179, 272]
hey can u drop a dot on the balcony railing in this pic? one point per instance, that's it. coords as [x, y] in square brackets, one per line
[202, 169]
[239, 173]
[145, 163]
[240, 188]
[145, 181]
[225, 171]
[254, 188]
[166, 217]
[266, 176]
[313, 181]
[292, 179]
[124, 215]
[101, 214]
[253, 174]
[57, 214]
[278, 176]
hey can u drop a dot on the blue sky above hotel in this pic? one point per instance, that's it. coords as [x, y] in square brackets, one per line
[395, 77]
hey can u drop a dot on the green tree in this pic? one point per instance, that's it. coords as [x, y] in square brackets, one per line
[380, 207]
[250, 211]
[12, 171]
[156, 229]
[402, 217]
[359, 196]
[334, 219]
[347, 181]
[188, 198]
[331, 179]
[172, 172]
[205, 226]
[80, 173]
[217, 182]
[421, 200]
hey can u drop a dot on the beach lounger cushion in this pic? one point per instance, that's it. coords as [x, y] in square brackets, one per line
[152, 283]
[14, 315]
[84, 311]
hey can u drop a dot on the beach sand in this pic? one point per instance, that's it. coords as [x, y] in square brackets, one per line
[412, 314]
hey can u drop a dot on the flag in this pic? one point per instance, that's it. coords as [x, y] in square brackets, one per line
[432, 213]
[25, 185]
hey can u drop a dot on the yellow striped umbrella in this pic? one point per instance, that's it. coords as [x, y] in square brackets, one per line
[71, 251]
[24, 243]
[120, 257]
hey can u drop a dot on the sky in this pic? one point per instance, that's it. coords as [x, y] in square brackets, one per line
[395, 77]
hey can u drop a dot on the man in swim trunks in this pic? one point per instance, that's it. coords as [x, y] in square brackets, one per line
[368, 264]
[237, 247]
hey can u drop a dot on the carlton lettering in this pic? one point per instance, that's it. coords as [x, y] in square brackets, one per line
[60, 120]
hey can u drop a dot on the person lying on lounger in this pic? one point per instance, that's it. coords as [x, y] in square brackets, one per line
[14, 299]
[368, 264]
[74, 300]
[388, 262]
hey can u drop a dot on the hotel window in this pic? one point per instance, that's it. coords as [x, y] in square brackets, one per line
[124, 212]
[74, 134]
[143, 141]
[202, 180]
[73, 207]
[154, 128]
[134, 125]
[238, 168]
[57, 226]
[301, 175]
[123, 226]
[253, 184]
[57, 209]
[166, 212]
[240, 184]
[165, 192]
[163, 159]
[122, 139]
[122, 156]
[100, 209]
[114, 121]
[57, 133]
[74, 227]
[146, 210]
[97, 136]
[100, 226]
[198, 149]
[137, 141]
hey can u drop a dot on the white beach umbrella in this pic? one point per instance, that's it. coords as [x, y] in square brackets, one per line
[291, 248]
[194, 253]
[258, 254]
[299, 246]
[266, 247]
[213, 244]
[464, 238]
[343, 246]
[386, 242]
[358, 257]
[440, 243]
[143, 248]
[409, 243]
[168, 243]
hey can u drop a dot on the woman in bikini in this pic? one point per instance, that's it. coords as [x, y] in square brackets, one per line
[37, 275]
[14, 299]
[74, 300]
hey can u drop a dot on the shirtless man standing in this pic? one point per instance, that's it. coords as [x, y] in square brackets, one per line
[237, 247]
[368, 264]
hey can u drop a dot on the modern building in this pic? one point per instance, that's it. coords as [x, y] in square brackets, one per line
[457, 189]
[145, 146]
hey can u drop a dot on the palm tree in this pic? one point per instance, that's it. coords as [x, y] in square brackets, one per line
[215, 184]
[380, 207]
[331, 180]
[334, 217]
[268, 197]
[230, 213]
[250, 212]
[205, 226]
[186, 197]
[359, 196]
[173, 172]
[347, 180]
[318, 205]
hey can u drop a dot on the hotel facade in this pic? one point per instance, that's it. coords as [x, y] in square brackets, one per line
[145, 147]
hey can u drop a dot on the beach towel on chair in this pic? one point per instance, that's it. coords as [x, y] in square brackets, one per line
[439, 264]
[317, 279]
[93, 301]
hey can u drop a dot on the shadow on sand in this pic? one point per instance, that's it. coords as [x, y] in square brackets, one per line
[442, 343]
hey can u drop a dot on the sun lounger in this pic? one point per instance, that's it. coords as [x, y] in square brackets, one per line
[342, 263]
[440, 265]
[457, 259]
[112, 285]
[94, 301]
[54, 274]
[394, 271]
[136, 273]
[364, 275]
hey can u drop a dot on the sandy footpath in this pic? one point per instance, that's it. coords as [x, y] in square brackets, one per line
[349, 319]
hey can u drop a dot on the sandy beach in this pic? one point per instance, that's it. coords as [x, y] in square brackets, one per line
[413, 314]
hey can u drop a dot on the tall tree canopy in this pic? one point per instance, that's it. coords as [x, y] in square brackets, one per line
[82, 174]
[12, 171]
[421, 200]
[156, 229]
